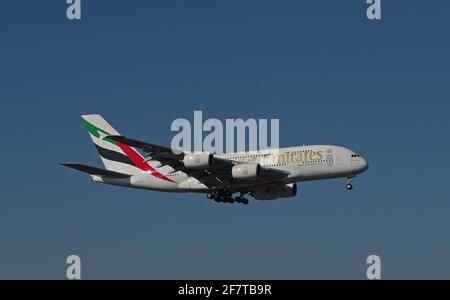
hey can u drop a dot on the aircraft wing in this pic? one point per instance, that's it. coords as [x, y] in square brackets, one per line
[219, 174]
[160, 153]
[147, 147]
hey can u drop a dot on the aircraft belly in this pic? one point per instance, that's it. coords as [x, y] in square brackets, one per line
[148, 181]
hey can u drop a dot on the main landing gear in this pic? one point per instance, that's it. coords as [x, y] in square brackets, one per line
[226, 197]
[241, 199]
[349, 185]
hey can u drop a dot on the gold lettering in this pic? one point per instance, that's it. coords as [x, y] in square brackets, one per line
[320, 154]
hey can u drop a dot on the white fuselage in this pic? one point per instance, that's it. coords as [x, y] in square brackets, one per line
[304, 163]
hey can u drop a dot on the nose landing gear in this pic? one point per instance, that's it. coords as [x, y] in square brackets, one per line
[349, 185]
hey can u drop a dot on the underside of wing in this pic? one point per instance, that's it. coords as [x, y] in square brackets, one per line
[212, 178]
[270, 174]
[217, 173]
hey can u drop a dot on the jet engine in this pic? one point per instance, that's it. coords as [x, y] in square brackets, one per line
[274, 192]
[198, 160]
[246, 171]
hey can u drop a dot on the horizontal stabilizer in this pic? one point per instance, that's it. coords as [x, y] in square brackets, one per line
[95, 171]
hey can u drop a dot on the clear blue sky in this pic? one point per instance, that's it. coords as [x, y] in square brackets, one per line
[329, 75]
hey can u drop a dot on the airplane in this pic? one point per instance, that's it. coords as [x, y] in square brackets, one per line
[265, 174]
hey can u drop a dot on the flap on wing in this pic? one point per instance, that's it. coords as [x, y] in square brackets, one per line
[95, 171]
[147, 147]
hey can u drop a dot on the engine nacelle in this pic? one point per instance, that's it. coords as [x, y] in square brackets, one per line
[198, 160]
[246, 171]
[274, 192]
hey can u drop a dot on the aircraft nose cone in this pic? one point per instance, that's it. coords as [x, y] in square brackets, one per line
[365, 164]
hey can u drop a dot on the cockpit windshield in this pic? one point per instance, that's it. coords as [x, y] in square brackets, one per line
[356, 155]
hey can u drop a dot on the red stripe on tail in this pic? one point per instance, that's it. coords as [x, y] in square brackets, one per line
[139, 162]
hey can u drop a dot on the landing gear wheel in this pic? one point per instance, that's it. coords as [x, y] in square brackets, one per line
[225, 196]
[349, 185]
[241, 199]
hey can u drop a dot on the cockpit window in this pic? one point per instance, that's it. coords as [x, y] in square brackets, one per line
[355, 155]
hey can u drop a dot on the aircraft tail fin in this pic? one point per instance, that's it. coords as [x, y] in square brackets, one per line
[116, 156]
